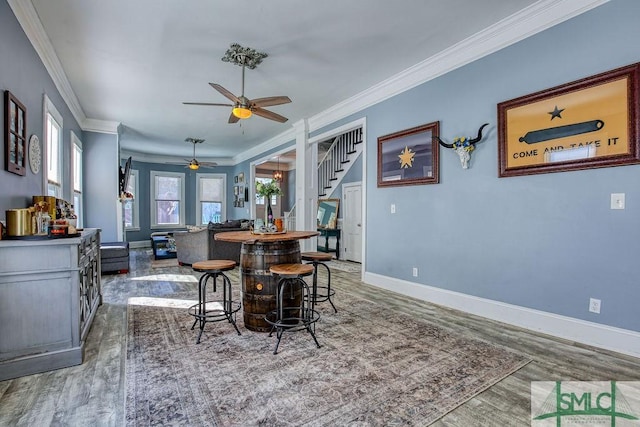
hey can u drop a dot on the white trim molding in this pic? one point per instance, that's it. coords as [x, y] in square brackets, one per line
[32, 26]
[287, 136]
[522, 24]
[589, 333]
[358, 123]
[175, 160]
[100, 126]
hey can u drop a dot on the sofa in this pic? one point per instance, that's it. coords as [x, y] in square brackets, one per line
[191, 245]
[199, 244]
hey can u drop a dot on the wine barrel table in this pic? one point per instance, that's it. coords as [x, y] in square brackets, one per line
[257, 254]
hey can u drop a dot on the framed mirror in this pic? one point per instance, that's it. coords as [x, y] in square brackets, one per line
[328, 213]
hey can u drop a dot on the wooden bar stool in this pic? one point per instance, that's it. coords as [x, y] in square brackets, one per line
[316, 259]
[224, 309]
[294, 305]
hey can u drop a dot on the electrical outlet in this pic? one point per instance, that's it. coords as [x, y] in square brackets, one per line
[415, 271]
[393, 208]
[594, 305]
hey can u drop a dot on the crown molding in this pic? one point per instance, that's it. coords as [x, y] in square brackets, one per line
[100, 126]
[358, 123]
[286, 136]
[32, 26]
[173, 160]
[524, 23]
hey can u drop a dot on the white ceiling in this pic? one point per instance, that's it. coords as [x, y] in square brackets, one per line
[135, 61]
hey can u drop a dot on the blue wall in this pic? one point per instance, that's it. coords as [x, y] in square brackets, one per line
[100, 185]
[547, 242]
[23, 74]
[143, 198]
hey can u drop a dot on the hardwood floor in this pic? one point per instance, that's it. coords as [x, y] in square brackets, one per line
[92, 394]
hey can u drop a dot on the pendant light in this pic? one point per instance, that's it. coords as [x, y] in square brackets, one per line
[277, 174]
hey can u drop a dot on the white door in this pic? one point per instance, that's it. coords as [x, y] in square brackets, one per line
[352, 222]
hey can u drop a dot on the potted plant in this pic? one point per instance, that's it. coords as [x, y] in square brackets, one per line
[267, 190]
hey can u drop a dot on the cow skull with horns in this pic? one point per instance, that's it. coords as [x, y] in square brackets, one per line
[463, 146]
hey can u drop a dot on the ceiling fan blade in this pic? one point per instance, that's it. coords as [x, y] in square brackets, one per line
[225, 92]
[233, 119]
[208, 104]
[270, 101]
[269, 115]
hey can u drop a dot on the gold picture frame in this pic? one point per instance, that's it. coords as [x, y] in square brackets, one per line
[588, 123]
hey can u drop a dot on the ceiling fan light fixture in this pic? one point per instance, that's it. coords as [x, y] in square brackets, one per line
[194, 166]
[242, 112]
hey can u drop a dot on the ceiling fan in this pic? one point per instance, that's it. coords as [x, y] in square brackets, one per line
[194, 164]
[243, 107]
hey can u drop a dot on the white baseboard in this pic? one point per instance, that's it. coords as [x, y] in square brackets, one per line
[590, 333]
[140, 244]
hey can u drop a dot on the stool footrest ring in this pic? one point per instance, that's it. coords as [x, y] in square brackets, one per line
[217, 313]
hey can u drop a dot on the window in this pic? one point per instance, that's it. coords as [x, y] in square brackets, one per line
[53, 138]
[167, 199]
[76, 176]
[130, 206]
[210, 197]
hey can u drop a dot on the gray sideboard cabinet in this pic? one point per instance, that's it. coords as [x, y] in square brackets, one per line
[49, 294]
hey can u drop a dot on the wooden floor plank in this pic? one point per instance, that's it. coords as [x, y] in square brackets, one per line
[92, 394]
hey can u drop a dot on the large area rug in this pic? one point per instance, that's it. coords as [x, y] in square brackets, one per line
[375, 367]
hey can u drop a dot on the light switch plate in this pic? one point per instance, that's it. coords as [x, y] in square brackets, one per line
[617, 201]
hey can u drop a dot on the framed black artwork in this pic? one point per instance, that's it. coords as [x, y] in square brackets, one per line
[15, 137]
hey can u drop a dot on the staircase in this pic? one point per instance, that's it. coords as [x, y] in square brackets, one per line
[337, 160]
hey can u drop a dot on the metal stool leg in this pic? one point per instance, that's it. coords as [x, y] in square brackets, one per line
[202, 306]
[314, 281]
[280, 314]
[195, 320]
[308, 310]
[228, 302]
[229, 307]
[306, 319]
[328, 285]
